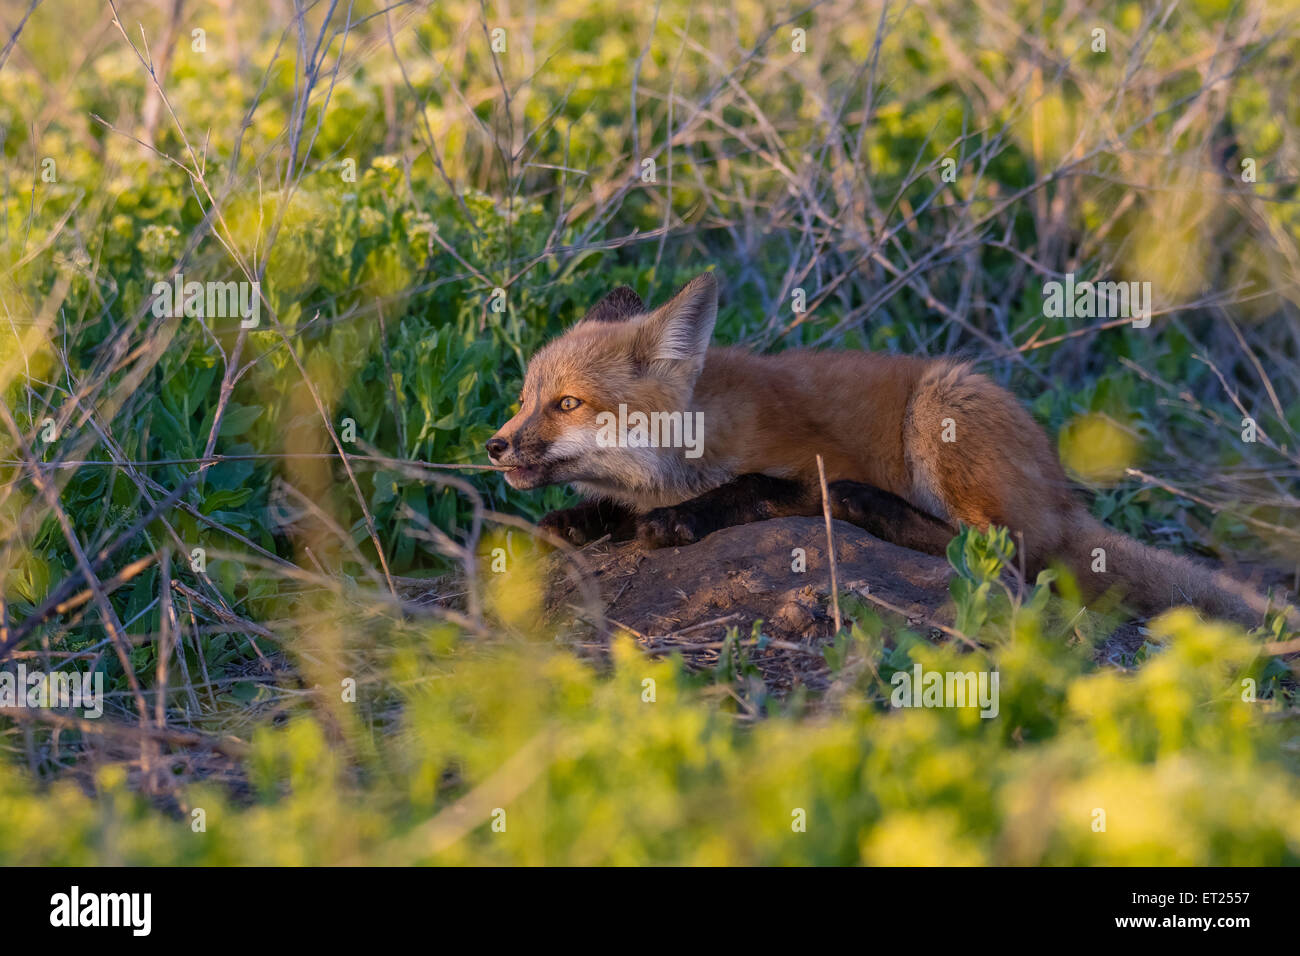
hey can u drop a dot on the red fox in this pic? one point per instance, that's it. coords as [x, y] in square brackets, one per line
[912, 447]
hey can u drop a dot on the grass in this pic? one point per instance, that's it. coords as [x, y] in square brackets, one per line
[226, 522]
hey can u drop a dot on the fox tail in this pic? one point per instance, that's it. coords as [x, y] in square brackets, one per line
[1154, 580]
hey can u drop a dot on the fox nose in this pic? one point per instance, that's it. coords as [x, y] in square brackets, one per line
[496, 447]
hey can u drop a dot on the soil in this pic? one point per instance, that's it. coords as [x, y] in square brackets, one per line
[684, 599]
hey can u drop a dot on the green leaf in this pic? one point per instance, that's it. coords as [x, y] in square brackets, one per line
[239, 419]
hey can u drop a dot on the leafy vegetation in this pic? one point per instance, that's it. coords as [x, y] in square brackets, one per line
[421, 212]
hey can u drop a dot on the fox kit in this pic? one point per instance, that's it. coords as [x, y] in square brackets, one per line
[912, 448]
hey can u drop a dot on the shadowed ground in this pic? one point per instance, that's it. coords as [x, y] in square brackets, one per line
[684, 599]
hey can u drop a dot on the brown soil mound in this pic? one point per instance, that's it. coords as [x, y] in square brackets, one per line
[684, 599]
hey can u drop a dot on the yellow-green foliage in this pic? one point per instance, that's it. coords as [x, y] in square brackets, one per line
[586, 770]
[474, 172]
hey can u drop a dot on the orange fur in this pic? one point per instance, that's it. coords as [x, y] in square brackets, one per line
[876, 419]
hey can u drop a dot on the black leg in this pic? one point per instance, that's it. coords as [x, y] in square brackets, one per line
[888, 517]
[757, 497]
[590, 520]
[744, 499]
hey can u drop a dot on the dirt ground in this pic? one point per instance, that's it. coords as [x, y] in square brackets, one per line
[685, 599]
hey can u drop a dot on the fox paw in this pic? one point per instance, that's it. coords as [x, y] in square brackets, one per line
[667, 527]
[847, 501]
[570, 524]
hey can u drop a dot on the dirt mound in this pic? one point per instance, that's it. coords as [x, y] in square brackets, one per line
[685, 598]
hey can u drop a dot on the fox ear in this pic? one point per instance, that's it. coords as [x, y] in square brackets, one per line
[680, 329]
[618, 305]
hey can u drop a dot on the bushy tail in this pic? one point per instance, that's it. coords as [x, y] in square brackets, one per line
[1153, 581]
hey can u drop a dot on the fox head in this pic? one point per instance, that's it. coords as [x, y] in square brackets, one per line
[619, 353]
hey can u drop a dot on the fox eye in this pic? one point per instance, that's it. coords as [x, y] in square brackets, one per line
[568, 403]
